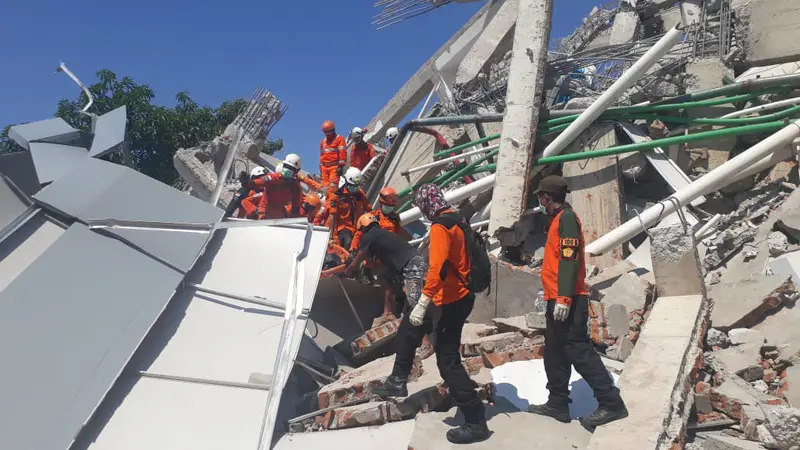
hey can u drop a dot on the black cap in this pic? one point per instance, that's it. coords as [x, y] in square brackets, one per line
[552, 184]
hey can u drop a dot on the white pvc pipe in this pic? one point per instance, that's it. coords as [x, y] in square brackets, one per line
[759, 108]
[717, 178]
[455, 196]
[712, 222]
[628, 79]
[443, 162]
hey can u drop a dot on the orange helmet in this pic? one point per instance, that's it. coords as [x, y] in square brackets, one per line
[328, 127]
[388, 197]
[313, 200]
[366, 220]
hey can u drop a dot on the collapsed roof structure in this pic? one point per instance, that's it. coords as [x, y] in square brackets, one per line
[676, 126]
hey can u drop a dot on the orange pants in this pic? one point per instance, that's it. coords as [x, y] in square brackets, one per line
[248, 208]
[329, 176]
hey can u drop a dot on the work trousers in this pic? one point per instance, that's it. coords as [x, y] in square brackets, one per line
[329, 176]
[567, 343]
[447, 330]
[345, 238]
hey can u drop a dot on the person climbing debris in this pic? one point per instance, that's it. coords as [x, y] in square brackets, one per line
[308, 208]
[332, 156]
[567, 341]
[245, 200]
[343, 207]
[282, 193]
[400, 263]
[448, 267]
[362, 152]
[391, 135]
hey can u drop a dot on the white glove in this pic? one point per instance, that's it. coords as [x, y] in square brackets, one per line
[560, 312]
[418, 313]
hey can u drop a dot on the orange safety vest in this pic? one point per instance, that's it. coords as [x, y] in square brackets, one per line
[558, 249]
[361, 155]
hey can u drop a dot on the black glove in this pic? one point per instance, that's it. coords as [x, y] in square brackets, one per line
[340, 170]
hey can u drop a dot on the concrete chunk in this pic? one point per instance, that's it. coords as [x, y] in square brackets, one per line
[793, 393]
[739, 358]
[715, 440]
[628, 290]
[772, 33]
[742, 304]
[734, 393]
[536, 320]
[490, 343]
[783, 423]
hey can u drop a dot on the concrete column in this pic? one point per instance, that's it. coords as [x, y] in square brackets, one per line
[523, 99]
[626, 23]
[490, 45]
[676, 265]
[596, 193]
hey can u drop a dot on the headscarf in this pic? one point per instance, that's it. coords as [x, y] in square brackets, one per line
[430, 200]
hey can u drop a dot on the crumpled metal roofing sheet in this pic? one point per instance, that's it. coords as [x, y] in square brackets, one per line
[11, 205]
[103, 190]
[68, 326]
[210, 337]
[52, 161]
[26, 133]
[18, 166]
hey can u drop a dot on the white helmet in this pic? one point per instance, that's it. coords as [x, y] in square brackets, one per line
[257, 172]
[292, 160]
[392, 133]
[352, 177]
[357, 134]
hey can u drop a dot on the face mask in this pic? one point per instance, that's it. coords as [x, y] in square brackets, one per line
[287, 173]
[543, 203]
[387, 209]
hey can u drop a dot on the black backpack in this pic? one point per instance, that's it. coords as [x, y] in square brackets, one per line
[480, 273]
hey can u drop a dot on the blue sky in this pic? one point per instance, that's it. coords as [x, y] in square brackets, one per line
[324, 59]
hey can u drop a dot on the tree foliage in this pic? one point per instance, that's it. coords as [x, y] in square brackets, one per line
[154, 132]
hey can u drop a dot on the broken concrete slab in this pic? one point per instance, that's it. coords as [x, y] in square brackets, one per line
[773, 36]
[512, 293]
[511, 428]
[517, 324]
[739, 358]
[793, 380]
[743, 303]
[715, 440]
[657, 383]
[628, 290]
[716, 338]
[472, 347]
[782, 424]
[392, 436]
[528, 349]
[740, 336]
[536, 320]
[730, 396]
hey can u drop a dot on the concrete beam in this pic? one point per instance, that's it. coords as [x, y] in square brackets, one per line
[626, 23]
[523, 99]
[420, 84]
[495, 41]
[658, 378]
[773, 34]
[596, 194]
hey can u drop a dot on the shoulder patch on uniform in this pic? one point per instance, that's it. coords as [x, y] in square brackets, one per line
[569, 249]
[570, 242]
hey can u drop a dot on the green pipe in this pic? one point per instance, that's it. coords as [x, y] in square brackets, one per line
[436, 180]
[467, 170]
[671, 106]
[707, 121]
[682, 139]
[459, 148]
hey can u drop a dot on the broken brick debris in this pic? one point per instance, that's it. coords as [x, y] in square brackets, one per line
[375, 338]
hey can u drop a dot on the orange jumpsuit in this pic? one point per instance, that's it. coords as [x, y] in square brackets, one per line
[361, 155]
[341, 211]
[301, 212]
[330, 159]
[280, 194]
[248, 208]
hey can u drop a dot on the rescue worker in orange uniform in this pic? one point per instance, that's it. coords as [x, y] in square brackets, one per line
[362, 151]
[567, 341]
[282, 189]
[343, 207]
[387, 218]
[449, 265]
[245, 201]
[309, 208]
[332, 156]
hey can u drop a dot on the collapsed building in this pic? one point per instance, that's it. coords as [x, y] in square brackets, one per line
[675, 124]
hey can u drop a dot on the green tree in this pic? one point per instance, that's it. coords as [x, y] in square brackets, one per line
[154, 132]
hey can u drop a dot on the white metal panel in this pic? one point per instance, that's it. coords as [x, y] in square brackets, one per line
[170, 415]
[24, 246]
[215, 338]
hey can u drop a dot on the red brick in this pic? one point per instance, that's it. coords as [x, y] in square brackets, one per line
[519, 353]
[473, 364]
[711, 417]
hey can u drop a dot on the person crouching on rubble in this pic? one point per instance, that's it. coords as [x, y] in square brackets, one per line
[343, 207]
[567, 341]
[400, 262]
[245, 200]
[308, 208]
[448, 265]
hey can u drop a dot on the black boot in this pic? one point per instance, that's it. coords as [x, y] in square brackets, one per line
[469, 433]
[394, 386]
[605, 414]
[557, 411]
